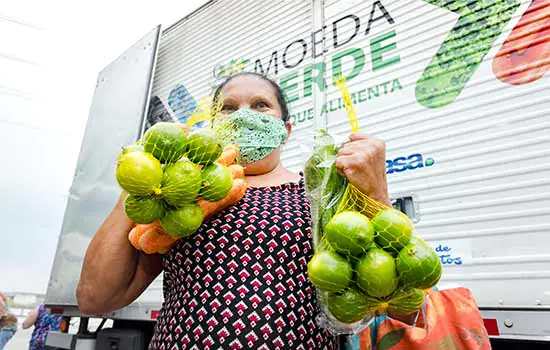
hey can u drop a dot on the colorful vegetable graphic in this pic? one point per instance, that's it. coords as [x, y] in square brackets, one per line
[478, 26]
[525, 55]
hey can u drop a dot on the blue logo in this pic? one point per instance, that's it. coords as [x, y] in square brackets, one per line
[414, 161]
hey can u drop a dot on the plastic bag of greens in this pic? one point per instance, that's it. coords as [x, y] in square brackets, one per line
[366, 259]
[174, 179]
[324, 186]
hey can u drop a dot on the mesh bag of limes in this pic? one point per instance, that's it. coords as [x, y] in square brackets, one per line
[367, 259]
[174, 179]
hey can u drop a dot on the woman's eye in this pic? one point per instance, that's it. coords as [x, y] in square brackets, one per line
[228, 109]
[262, 104]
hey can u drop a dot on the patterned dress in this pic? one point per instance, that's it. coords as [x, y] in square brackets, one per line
[44, 323]
[241, 281]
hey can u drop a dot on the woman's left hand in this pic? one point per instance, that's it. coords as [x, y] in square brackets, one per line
[362, 160]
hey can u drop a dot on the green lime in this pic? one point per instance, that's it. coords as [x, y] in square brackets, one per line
[143, 210]
[329, 271]
[416, 239]
[181, 183]
[393, 229]
[182, 222]
[406, 300]
[376, 274]
[166, 141]
[349, 306]
[349, 233]
[139, 173]
[203, 147]
[216, 182]
[418, 266]
[130, 148]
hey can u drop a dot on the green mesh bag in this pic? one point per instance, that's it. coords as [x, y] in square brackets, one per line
[173, 176]
[367, 259]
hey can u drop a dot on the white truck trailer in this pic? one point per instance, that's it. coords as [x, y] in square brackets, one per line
[457, 89]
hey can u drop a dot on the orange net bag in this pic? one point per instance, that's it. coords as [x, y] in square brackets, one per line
[176, 177]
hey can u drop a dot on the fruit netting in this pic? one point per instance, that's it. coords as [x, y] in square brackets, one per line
[176, 176]
[367, 259]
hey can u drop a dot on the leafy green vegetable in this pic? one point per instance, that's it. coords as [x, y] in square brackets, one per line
[324, 185]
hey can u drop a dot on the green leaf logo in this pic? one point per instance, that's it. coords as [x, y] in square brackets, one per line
[473, 35]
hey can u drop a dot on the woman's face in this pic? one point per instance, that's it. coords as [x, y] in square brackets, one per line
[256, 94]
[250, 92]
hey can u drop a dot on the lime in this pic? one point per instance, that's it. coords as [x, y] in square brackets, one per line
[349, 306]
[143, 209]
[416, 239]
[166, 141]
[181, 183]
[329, 271]
[376, 274]
[216, 182]
[406, 300]
[394, 253]
[418, 266]
[130, 148]
[203, 147]
[349, 232]
[139, 173]
[182, 222]
[393, 229]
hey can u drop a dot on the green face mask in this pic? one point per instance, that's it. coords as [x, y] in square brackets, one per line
[256, 134]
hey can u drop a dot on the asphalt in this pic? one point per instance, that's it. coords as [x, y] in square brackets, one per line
[20, 340]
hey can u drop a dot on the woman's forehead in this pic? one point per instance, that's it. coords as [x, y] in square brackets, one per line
[247, 86]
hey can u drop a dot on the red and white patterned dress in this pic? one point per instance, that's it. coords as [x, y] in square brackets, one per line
[241, 281]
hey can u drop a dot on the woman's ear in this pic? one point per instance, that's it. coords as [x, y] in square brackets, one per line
[288, 126]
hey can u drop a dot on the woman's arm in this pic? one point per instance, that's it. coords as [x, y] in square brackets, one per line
[30, 320]
[114, 274]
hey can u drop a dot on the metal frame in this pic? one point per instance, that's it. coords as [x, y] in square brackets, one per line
[519, 324]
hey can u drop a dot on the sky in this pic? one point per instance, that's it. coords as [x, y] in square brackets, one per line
[50, 55]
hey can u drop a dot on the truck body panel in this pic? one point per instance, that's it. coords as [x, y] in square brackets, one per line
[120, 102]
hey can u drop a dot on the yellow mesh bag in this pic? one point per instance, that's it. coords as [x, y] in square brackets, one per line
[177, 175]
[367, 259]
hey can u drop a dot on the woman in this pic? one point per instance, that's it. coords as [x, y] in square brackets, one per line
[43, 322]
[241, 280]
[8, 322]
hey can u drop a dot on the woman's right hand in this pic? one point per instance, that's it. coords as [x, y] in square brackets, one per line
[362, 160]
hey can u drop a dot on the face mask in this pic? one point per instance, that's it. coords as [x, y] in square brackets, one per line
[256, 134]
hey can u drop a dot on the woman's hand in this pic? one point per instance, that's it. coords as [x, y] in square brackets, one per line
[30, 320]
[362, 160]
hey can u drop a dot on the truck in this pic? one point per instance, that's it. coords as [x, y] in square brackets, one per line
[459, 91]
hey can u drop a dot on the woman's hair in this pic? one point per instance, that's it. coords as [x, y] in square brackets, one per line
[8, 320]
[278, 91]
